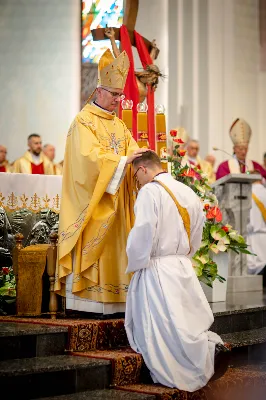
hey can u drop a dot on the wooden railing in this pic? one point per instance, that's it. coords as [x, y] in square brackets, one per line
[50, 268]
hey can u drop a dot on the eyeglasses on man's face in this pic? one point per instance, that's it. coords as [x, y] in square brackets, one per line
[115, 95]
[135, 178]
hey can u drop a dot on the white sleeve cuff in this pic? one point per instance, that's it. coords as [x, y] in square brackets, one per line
[118, 176]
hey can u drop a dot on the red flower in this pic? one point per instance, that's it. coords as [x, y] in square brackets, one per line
[214, 213]
[224, 228]
[182, 152]
[173, 132]
[206, 206]
[5, 270]
[189, 172]
[180, 141]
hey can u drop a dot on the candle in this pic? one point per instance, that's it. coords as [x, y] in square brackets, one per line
[127, 113]
[142, 125]
[127, 119]
[161, 147]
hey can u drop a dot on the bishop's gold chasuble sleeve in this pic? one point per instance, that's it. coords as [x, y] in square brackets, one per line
[94, 224]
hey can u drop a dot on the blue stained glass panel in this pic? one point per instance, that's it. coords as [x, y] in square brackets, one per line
[98, 14]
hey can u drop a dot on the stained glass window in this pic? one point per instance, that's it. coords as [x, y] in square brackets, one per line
[98, 14]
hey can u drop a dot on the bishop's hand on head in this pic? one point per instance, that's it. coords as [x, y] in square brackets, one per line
[136, 154]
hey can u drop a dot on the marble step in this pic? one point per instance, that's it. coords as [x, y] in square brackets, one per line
[19, 340]
[105, 394]
[239, 318]
[32, 378]
[245, 338]
[248, 347]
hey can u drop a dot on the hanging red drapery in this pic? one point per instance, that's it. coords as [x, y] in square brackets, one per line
[131, 88]
[145, 59]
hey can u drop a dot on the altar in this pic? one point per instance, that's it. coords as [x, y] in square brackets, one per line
[29, 205]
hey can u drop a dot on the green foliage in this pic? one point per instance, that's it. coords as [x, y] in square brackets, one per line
[7, 289]
[216, 236]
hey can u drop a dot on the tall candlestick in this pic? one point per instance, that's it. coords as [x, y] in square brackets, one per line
[161, 146]
[127, 113]
[142, 125]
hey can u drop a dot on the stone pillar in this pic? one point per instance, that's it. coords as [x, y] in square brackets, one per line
[234, 194]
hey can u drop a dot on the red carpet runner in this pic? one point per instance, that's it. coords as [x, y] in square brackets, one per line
[107, 340]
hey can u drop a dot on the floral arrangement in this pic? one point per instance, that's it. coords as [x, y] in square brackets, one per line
[217, 237]
[7, 289]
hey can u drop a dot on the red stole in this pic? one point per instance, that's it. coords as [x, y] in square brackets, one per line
[37, 169]
[2, 168]
[192, 162]
[242, 168]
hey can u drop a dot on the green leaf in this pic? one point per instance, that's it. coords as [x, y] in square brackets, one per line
[245, 251]
[204, 258]
[217, 233]
[235, 236]
[206, 280]
[198, 266]
[220, 278]
[213, 247]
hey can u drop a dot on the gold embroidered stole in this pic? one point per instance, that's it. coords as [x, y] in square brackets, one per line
[260, 206]
[182, 211]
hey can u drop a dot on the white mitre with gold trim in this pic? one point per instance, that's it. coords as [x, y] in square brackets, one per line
[112, 72]
[182, 134]
[240, 132]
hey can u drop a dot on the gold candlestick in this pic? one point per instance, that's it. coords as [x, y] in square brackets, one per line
[161, 146]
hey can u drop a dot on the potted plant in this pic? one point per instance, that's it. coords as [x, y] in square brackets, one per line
[211, 259]
[7, 291]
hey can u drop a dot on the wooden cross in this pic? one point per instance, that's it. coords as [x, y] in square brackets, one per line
[130, 17]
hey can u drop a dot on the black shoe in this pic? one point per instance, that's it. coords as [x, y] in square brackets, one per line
[221, 360]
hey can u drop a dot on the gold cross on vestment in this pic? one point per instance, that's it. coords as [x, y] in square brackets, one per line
[114, 143]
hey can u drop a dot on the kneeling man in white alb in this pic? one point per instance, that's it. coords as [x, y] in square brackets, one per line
[167, 314]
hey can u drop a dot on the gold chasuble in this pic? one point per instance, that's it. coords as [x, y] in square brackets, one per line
[94, 224]
[25, 165]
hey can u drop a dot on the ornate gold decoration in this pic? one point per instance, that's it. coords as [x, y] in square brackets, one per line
[46, 201]
[56, 202]
[2, 199]
[35, 203]
[12, 201]
[24, 201]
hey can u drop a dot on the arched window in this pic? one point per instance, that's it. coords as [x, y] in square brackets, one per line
[98, 14]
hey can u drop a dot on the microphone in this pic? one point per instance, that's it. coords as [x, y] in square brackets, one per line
[241, 162]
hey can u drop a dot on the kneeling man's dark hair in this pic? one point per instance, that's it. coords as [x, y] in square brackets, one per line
[148, 159]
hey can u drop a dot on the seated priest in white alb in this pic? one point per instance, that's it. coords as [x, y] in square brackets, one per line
[240, 134]
[34, 161]
[167, 314]
[193, 159]
[256, 230]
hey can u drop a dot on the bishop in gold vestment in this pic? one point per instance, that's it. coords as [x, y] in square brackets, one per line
[97, 199]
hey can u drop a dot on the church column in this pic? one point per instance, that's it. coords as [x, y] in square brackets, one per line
[195, 70]
[220, 61]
